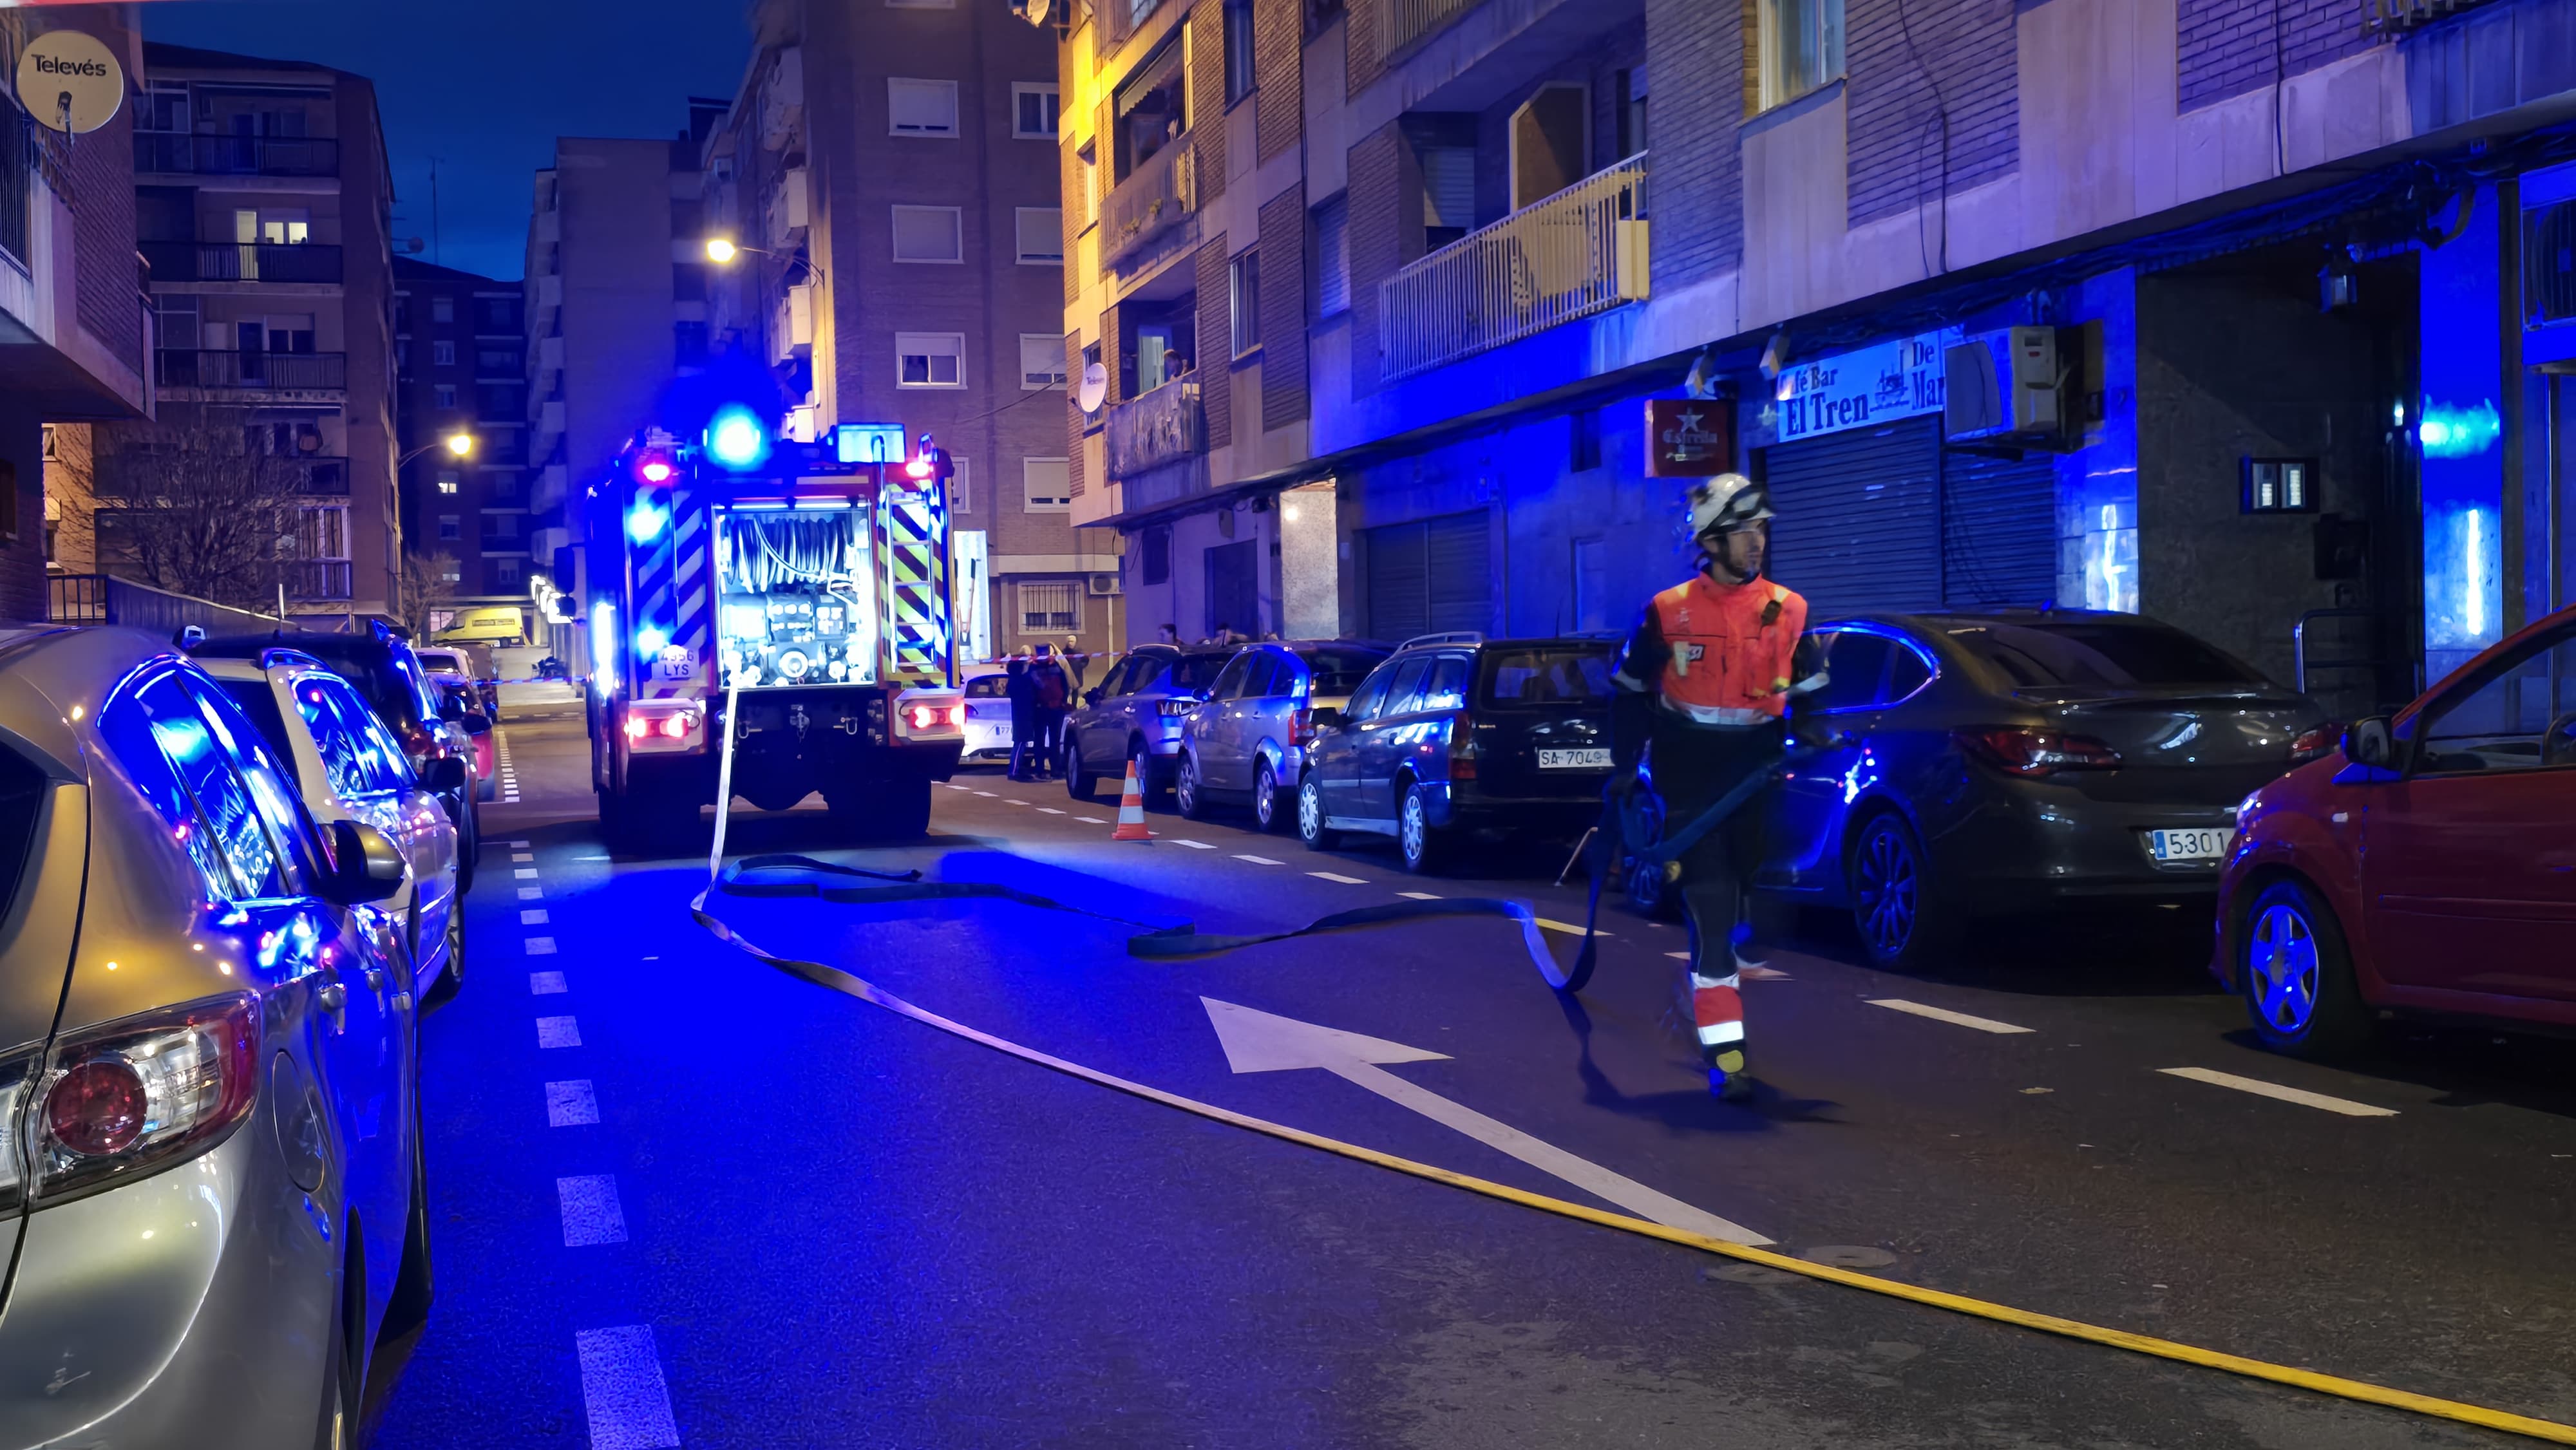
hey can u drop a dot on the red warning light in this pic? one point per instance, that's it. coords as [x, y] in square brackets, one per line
[655, 468]
[920, 467]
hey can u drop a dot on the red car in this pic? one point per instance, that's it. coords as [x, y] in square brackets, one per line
[2427, 867]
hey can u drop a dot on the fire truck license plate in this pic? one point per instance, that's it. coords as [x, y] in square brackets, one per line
[1574, 760]
[686, 669]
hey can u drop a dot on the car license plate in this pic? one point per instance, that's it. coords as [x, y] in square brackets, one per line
[2207, 843]
[1574, 760]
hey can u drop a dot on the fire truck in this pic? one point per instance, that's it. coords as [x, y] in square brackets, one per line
[793, 596]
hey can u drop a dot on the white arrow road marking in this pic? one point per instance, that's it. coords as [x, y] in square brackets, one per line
[1257, 1041]
[1943, 1014]
[2345, 1106]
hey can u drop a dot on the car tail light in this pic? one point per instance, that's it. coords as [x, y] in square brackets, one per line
[2318, 743]
[637, 727]
[2017, 751]
[138, 1095]
[1462, 746]
[1301, 727]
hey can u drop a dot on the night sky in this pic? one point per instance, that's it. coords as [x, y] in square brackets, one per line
[486, 86]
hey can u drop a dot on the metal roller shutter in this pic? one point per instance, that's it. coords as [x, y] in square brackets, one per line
[1998, 531]
[1859, 517]
[1432, 574]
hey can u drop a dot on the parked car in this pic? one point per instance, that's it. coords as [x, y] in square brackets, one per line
[459, 704]
[473, 661]
[214, 1171]
[2427, 866]
[2019, 761]
[1457, 735]
[393, 683]
[348, 768]
[1248, 740]
[1135, 714]
[988, 715]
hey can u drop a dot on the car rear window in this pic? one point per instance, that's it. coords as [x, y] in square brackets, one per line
[1196, 672]
[1547, 675]
[1339, 671]
[388, 690]
[985, 687]
[259, 702]
[2119, 655]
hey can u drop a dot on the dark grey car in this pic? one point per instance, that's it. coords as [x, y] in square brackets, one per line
[1135, 714]
[1248, 742]
[2009, 762]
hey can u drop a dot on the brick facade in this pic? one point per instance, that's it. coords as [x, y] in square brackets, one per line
[109, 281]
[1278, 68]
[1283, 308]
[1360, 63]
[2225, 48]
[1378, 222]
[1207, 99]
[1932, 100]
[1073, 410]
[1697, 106]
[1216, 344]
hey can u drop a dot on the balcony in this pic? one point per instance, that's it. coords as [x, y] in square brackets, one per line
[1570, 255]
[254, 372]
[790, 210]
[241, 262]
[166, 152]
[1404, 24]
[1163, 426]
[323, 476]
[318, 579]
[1156, 197]
[1125, 17]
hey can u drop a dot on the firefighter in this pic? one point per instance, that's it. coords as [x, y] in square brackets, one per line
[1704, 683]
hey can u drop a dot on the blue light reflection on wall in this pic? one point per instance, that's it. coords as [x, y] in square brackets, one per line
[2459, 430]
[2449, 431]
[2463, 580]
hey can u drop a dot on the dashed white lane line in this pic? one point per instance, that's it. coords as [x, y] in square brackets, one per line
[1049, 811]
[622, 1389]
[1566, 927]
[1337, 876]
[952, 785]
[558, 1032]
[516, 845]
[533, 916]
[591, 1214]
[2260, 1089]
[1943, 1014]
[532, 893]
[1091, 820]
[1258, 860]
[571, 1104]
[1193, 845]
[1419, 895]
[525, 873]
[988, 795]
[1006, 800]
[541, 946]
[523, 855]
[547, 984]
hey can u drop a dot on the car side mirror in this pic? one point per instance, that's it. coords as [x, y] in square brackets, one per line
[475, 724]
[443, 774]
[2368, 741]
[451, 710]
[365, 866]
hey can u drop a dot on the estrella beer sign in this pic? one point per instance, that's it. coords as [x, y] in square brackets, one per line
[1899, 379]
[1689, 437]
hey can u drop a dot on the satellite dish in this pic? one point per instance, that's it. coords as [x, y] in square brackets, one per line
[69, 81]
[1038, 11]
[1095, 387]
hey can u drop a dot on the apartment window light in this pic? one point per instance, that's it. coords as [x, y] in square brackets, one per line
[929, 234]
[930, 359]
[1033, 110]
[1041, 235]
[1801, 45]
[921, 108]
[448, 481]
[1048, 483]
[1244, 289]
[1041, 361]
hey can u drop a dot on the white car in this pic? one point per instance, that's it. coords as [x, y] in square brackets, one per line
[349, 768]
[988, 715]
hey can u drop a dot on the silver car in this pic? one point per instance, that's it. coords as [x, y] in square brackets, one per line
[1134, 715]
[1248, 740]
[212, 1187]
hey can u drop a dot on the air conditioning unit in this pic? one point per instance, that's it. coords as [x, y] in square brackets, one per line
[2006, 387]
[1104, 586]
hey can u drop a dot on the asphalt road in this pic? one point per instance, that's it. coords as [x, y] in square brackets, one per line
[683, 1198]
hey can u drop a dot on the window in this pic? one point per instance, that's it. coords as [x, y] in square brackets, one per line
[1157, 565]
[448, 479]
[501, 400]
[1239, 75]
[496, 362]
[442, 353]
[1448, 687]
[1229, 685]
[242, 861]
[1049, 485]
[1332, 258]
[402, 357]
[442, 309]
[1041, 361]
[1089, 181]
[961, 485]
[1855, 668]
[443, 396]
[1404, 694]
[504, 575]
[1152, 108]
[1546, 676]
[2504, 724]
[1801, 45]
[688, 281]
[450, 526]
[359, 761]
[689, 343]
[501, 531]
[499, 314]
[1041, 231]
[930, 359]
[922, 108]
[1050, 607]
[1632, 112]
[1448, 194]
[1371, 694]
[929, 234]
[1243, 276]
[1033, 111]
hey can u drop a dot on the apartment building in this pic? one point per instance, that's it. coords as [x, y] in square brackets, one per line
[460, 363]
[889, 175]
[262, 202]
[2249, 316]
[616, 310]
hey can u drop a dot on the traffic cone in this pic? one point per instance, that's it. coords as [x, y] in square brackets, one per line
[1131, 811]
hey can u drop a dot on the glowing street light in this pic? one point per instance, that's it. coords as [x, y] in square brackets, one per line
[461, 444]
[721, 250]
[458, 445]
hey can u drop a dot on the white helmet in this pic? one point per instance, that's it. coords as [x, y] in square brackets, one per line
[1726, 503]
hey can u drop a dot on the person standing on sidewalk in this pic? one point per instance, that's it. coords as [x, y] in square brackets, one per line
[1017, 689]
[1051, 696]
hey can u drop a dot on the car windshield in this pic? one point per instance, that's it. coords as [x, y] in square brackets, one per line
[1547, 675]
[1194, 673]
[1338, 671]
[2077, 653]
[259, 702]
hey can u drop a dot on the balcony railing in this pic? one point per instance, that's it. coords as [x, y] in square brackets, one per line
[1154, 198]
[254, 371]
[242, 262]
[1570, 255]
[1125, 17]
[1160, 427]
[1404, 24]
[2383, 16]
[318, 579]
[164, 151]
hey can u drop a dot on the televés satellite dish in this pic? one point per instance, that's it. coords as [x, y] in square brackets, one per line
[70, 81]
[1095, 387]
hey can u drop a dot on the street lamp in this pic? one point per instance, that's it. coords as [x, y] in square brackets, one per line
[723, 250]
[458, 445]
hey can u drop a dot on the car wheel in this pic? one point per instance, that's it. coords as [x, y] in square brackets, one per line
[1902, 922]
[1426, 848]
[1310, 816]
[1187, 793]
[1266, 812]
[1079, 782]
[2296, 974]
[469, 845]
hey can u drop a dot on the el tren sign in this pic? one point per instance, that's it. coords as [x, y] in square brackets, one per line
[1899, 379]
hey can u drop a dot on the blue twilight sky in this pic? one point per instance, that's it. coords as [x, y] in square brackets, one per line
[485, 87]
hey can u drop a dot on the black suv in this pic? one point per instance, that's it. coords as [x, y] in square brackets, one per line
[381, 664]
[1459, 734]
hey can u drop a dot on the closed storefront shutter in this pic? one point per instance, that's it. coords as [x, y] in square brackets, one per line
[1859, 517]
[1998, 531]
[1432, 575]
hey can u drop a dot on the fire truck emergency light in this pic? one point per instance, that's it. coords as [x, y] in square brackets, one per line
[736, 439]
[654, 468]
[647, 521]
